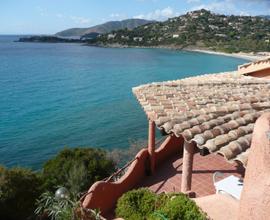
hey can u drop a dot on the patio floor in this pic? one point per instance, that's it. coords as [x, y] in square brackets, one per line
[167, 177]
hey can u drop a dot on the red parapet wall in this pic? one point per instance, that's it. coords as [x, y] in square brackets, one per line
[104, 195]
[171, 146]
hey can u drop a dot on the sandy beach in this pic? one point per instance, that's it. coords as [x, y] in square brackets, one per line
[247, 56]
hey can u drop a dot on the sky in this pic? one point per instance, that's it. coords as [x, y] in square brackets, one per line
[51, 16]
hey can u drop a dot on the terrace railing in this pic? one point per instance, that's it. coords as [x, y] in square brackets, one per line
[121, 172]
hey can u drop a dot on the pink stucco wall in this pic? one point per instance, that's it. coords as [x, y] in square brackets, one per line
[255, 198]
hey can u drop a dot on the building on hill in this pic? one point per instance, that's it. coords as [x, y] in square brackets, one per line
[259, 68]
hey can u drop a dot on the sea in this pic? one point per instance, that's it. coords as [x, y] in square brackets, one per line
[56, 95]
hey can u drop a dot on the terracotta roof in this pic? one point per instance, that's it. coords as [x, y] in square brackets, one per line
[256, 62]
[254, 66]
[216, 111]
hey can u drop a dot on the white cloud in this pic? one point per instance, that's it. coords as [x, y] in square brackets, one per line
[267, 2]
[244, 13]
[75, 19]
[118, 16]
[167, 12]
[232, 6]
[80, 20]
[193, 1]
[225, 7]
[42, 11]
[159, 14]
[140, 16]
[147, 0]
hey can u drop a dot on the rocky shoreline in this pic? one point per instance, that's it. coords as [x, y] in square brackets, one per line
[49, 39]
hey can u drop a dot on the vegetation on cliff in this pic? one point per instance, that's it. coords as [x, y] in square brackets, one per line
[19, 189]
[22, 190]
[77, 169]
[201, 29]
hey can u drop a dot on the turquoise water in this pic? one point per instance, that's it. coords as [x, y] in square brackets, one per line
[57, 95]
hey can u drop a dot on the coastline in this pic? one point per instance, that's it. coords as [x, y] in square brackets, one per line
[247, 56]
[252, 56]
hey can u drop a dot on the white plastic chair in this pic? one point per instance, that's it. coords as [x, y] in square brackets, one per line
[231, 185]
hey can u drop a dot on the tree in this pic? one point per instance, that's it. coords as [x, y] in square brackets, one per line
[77, 169]
[19, 189]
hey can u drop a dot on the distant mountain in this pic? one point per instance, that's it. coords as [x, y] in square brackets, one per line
[265, 16]
[197, 29]
[104, 28]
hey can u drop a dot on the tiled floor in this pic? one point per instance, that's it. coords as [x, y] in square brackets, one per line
[167, 177]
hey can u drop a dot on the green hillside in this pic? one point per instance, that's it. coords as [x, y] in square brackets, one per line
[103, 28]
[200, 29]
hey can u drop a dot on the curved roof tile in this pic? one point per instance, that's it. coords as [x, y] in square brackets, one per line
[216, 111]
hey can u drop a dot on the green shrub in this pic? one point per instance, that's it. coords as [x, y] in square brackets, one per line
[77, 169]
[181, 207]
[19, 189]
[136, 204]
[143, 204]
[55, 208]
